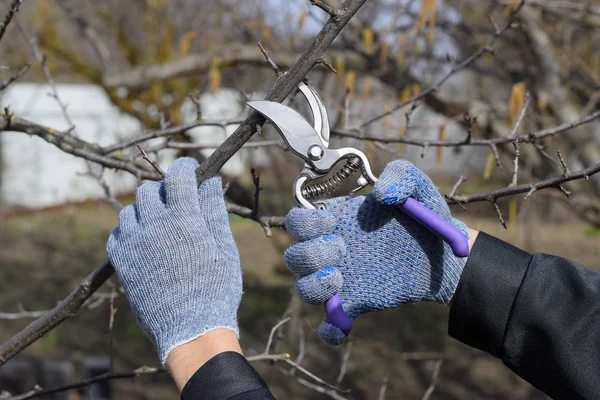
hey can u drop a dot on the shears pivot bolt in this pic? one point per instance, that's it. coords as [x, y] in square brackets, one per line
[362, 182]
[315, 152]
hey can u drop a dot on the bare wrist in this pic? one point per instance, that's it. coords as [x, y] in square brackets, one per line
[472, 237]
[183, 361]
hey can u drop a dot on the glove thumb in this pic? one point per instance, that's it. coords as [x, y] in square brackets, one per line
[399, 181]
[331, 334]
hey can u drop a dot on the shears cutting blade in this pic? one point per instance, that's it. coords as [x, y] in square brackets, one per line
[311, 143]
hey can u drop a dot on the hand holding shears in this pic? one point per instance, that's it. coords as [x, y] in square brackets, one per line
[311, 143]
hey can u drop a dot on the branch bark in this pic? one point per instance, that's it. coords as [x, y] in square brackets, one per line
[230, 56]
[14, 7]
[64, 310]
[529, 188]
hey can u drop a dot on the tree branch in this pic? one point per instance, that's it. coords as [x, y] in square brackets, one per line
[528, 188]
[526, 138]
[64, 310]
[7, 82]
[230, 56]
[14, 8]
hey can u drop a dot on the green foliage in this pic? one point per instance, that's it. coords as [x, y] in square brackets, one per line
[593, 231]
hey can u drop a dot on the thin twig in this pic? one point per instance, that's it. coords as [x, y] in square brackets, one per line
[285, 358]
[154, 164]
[97, 175]
[513, 181]
[494, 149]
[111, 323]
[7, 82]
[14, 8]
[383, 388]
[266, 222]
[563, 163]
[173, 131]
[409, 114]
[39, 392]
[456, 185]
[345, 361]
[269, 60]
[41, 59]
[257, 189]
[333, 13]
[521, 116]
[434, 379]
[22, 315]
[565, 191]
[498, 212]
[320, 389]
[529, 193]
[272, 334]
[78, 18]
[469, 121]
[327, 64]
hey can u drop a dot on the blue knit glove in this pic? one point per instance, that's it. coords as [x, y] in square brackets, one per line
[176, 258]
[370, 252]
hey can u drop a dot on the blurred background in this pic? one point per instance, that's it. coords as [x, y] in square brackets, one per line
[410, 74]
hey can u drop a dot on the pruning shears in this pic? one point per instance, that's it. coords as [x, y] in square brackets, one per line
[311, 143]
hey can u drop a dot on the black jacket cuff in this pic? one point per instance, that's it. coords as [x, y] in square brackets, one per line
[226, 376]
[486, 292]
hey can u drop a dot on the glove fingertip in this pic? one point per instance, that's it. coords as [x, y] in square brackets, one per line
[401, 180]
[127, 218]
[183, 165]
[396, 183]
[304, 224]
[320, 286]
[306, 257]
[212, 186]
[331, 334]
[180, 185]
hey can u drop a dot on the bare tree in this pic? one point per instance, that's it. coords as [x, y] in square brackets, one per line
[534, 86]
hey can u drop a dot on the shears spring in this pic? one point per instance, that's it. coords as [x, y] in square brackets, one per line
[316, 190]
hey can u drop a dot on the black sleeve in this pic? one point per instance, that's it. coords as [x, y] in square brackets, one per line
[226, 376]
[539, 313]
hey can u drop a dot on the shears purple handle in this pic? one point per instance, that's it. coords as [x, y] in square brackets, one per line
[449, 233]
[311, 143]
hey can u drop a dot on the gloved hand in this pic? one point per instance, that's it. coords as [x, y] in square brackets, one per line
[370, 252]
[176, 258]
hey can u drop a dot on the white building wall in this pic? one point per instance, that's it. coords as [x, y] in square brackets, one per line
[37, 174]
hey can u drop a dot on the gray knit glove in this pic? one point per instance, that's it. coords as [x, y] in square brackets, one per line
[369, 251]
[176, 258]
